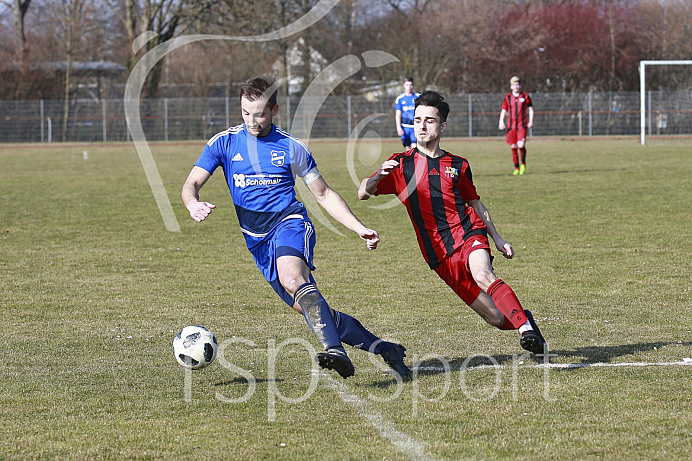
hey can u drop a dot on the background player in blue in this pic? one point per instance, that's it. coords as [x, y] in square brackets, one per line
[403, 113]
[260, 162]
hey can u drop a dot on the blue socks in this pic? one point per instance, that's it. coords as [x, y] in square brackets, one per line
[332, 331]
[317, 314]
[353, 333]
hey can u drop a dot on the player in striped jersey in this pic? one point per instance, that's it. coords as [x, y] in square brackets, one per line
[451, 223]
[260, 162]
[517, 108]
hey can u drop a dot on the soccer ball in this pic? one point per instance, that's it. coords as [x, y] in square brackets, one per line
[195, 347]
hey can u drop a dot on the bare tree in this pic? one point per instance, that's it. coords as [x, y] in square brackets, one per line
[458, 45]
[166, 18]
[19, 9]
[71, 12]
[253, 18]
[667, 35]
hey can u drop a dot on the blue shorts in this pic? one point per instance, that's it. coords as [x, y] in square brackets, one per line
[409, 136]
[292, 237]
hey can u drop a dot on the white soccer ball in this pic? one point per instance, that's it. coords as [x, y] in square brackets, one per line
[195, 347]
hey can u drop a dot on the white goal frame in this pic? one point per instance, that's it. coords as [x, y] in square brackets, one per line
[642, 89]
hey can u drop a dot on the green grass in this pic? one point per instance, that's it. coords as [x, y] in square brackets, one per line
[93, 289]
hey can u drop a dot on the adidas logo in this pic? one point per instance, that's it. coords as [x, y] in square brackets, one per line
[476, 243]
[434, 172]
[237, 158]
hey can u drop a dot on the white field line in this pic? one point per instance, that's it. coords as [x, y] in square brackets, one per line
[405, 443]
[566, 365]
[414, 449]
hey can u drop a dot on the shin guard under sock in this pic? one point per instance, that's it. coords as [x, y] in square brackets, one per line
[507, 302]
[317, 313]
[353, 333]
[515, 157]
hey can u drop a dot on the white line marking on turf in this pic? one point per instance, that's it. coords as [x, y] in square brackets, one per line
[568, 365]
[416, 450]
[413, 449]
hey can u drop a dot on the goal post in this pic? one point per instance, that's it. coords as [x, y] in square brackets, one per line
[642, 89]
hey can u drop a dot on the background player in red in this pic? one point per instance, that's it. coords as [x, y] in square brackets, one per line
[451, 223]
[518, 106]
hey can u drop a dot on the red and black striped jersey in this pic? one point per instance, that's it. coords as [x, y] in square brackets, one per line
[434, 192]
[517, 107]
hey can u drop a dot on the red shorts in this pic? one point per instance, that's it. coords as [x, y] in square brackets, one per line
[455, 271]
[515, 136]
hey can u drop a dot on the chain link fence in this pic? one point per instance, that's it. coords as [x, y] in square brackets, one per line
[472, 115]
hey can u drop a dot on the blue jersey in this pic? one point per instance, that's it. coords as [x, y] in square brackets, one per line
[260, 172]
[407, 107]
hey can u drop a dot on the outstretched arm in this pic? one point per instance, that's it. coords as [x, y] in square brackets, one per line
[190, 194]
[337, 208]
[504, 247]
[369, 185]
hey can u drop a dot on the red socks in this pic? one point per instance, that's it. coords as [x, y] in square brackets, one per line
[515, 157]
[507, 303]
[522, 152]
[506, 324]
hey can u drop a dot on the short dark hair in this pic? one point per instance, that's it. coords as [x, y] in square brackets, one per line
[434, 99]
[408, 79]
[257, 87]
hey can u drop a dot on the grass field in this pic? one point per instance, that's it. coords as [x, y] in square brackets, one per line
[93, 289]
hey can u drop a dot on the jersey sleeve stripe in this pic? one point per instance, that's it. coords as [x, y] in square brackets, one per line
[298, 141]
[233, 130]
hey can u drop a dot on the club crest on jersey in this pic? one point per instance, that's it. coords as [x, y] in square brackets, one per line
[451, 172]
[278, 157]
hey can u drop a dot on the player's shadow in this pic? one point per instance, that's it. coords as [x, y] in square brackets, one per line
[244, 382]
[553, 172]
[443, 365]
[581, 356]
[605, 354]
[585, 171]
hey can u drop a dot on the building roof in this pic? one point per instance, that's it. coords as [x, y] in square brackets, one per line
[102, 68]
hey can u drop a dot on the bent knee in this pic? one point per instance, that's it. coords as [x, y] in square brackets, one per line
[485, 307]
[291, 284]
[484, 278]
[494, 317]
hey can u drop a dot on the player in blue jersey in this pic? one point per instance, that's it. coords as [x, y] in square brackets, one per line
[403, 113]
[260, 162]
